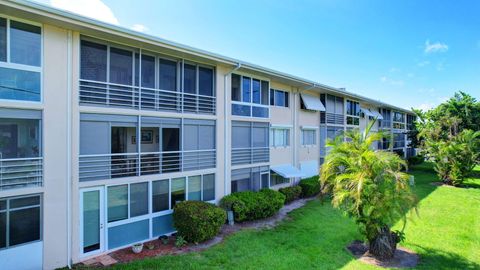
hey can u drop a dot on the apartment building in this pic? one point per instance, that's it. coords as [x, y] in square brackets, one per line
[103, 130]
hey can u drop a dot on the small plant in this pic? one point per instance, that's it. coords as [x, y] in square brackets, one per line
[137, 248]
[150, 246]
[165, 241]
[180, 241]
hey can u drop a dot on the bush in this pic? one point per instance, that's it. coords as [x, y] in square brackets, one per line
[415, 160]
[198, 221]
[310, 186]
[249, 205]
[291, 193]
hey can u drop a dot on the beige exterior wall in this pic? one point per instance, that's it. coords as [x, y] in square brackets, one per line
[308, 119]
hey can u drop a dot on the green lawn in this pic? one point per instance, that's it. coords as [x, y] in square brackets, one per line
[446, 235]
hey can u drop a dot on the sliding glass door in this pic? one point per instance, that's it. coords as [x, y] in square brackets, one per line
[92, 220]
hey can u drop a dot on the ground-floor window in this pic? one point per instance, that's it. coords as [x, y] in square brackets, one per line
[20, 220]
[276, 179]
[252, 179]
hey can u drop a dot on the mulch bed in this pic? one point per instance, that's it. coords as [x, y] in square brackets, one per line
[403, 258]
[161, 249]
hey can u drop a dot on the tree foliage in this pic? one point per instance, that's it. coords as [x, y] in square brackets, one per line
[449, 136]
[369, 186]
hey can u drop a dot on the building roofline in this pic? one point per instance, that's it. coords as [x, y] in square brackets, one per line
[30, 6]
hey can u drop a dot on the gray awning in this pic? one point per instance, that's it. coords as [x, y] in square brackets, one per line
[367, 112]
[377, 115]
[312, 103]
[287, 171]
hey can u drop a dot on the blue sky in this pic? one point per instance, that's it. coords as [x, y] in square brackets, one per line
[408, 53]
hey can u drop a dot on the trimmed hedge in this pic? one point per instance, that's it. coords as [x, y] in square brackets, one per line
[198, 221]
[291, 193]
[249, 205]
[310, 186]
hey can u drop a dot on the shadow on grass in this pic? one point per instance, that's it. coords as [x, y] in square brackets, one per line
[437, 259]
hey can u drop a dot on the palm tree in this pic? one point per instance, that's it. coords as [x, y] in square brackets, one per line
[369, 186]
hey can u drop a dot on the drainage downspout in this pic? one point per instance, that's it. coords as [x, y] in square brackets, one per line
[69, 148]
[225, 127]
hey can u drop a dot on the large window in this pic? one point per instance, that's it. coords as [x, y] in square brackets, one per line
[129, 200]
[309, 137]
[398, 120]
[279, 98]
[410, 121]
[252, 179]
[334, 110]
[20, 60]
[20, 220]
[279, 137]
[353, 113]
[250, 96]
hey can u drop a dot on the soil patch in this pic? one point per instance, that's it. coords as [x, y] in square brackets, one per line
[403, 258]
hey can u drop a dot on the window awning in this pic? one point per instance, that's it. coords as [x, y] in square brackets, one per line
[367, 112]
[287, 171]
[312, 103]
[377, 115]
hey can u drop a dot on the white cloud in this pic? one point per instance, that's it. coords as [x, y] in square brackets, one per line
[435, 47]
[139, 28]
[385, 79]
[95, 9]
[423, 63]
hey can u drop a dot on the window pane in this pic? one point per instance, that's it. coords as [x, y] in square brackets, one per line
[3, 230]
[256, 91]
[138, 199]
[137, 69]
[160, 195]
[206, 137]
[168, 75]
[241, 137]
[242, 110]
[246, 91]
[117, 203]
[178, 190]
[265, 91]
[272, 97]
[3, 205]
[286, 99]
[20, 138]
[279, 98]
[25, 44]
[205, 81]
[24, 202]
[209, 187]
[93, 62]
[235, 87]
[189, 79]
[24, 226]
[194, 188]
[260, 137]
[121, 68]
[259, 112]
[148, 71]
[19, 84]
[3, 39]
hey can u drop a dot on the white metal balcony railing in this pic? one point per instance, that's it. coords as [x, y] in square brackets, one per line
[332, 118]
[108, 166]
[21, 172]
[134, 97]
[250, 155]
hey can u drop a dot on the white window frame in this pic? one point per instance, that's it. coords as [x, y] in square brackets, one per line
[351, 115]
[308, 128]
[10, 65]
[286, 129]
[251, 104]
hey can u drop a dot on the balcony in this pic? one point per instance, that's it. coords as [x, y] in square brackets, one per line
[250, 155]
[109, 166]
[133, 97]
[332, 118]
[21, 172]
[385, 124]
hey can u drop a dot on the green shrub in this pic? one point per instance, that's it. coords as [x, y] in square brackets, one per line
[198, 221]
[415, 160]
[310, 186]
[249, 205]
[291, 193]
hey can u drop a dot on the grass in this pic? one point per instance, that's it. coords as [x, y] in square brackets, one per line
[446, 235]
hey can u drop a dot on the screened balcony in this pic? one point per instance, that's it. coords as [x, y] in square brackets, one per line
[110, 148]
[250, 142]
[334, 110]
[113, 76]
[21, 163]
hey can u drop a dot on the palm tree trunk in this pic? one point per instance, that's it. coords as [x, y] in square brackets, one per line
[383, 246]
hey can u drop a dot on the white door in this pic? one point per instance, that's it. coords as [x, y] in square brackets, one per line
[92, 231]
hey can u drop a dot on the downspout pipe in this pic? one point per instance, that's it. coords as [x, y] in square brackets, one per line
[225, 127]
[69, 148]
